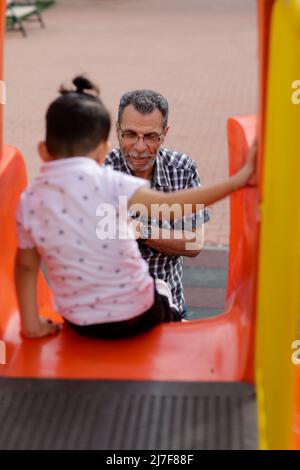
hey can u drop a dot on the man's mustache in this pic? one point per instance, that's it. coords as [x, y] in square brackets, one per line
[140, 155]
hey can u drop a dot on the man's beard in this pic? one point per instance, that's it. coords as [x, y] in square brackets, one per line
[139, 166]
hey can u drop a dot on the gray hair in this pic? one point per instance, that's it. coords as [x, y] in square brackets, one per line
[145, 102]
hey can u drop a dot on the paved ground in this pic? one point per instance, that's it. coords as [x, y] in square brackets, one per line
[201, 54]
[205, 283]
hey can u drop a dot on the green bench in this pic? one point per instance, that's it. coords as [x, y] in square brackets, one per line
[18, 12]
[44, 4]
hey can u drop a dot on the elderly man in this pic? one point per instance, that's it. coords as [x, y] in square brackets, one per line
[141, 129]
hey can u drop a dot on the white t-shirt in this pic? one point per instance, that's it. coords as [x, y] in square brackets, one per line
[93, 280]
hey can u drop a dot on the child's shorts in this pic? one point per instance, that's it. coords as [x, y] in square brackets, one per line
[161, 311]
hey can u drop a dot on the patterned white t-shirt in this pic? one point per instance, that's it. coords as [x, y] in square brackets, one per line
[93, 279]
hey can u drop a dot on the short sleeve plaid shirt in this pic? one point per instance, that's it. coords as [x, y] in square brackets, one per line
[173, 171]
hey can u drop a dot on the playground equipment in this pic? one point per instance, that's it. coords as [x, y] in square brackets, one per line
[216, 361]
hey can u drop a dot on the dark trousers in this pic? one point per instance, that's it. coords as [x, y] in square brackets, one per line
[159, 312]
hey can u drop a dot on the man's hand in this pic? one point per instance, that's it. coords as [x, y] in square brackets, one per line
[43, 327]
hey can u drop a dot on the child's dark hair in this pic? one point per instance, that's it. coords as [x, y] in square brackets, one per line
[76, 122]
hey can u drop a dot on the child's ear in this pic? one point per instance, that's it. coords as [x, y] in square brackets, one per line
[102, 151]
[107, 146]
[43, 152]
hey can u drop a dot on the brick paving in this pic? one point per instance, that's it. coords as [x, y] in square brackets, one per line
[201, 54]
[205, 282]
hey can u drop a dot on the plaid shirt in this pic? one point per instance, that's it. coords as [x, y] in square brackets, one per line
[173, 171]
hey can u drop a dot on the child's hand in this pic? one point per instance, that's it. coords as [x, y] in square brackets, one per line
[248, 169]
[44, 327]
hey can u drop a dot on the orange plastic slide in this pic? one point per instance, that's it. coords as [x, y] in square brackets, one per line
[216, 349]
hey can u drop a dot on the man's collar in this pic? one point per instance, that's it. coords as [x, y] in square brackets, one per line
[160, 177]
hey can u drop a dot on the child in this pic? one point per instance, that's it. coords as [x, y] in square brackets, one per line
[102, 288]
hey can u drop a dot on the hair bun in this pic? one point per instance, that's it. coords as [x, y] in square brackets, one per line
[82, 85]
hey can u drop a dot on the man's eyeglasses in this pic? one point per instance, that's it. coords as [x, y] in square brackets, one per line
[132, 137]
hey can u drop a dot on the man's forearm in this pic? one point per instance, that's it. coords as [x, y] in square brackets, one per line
[174, 242]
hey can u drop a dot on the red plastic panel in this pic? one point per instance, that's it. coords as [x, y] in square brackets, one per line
[2, 26]
[12, 181]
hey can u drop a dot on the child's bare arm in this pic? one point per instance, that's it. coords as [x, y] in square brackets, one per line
[26, 272]
[190, 198]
